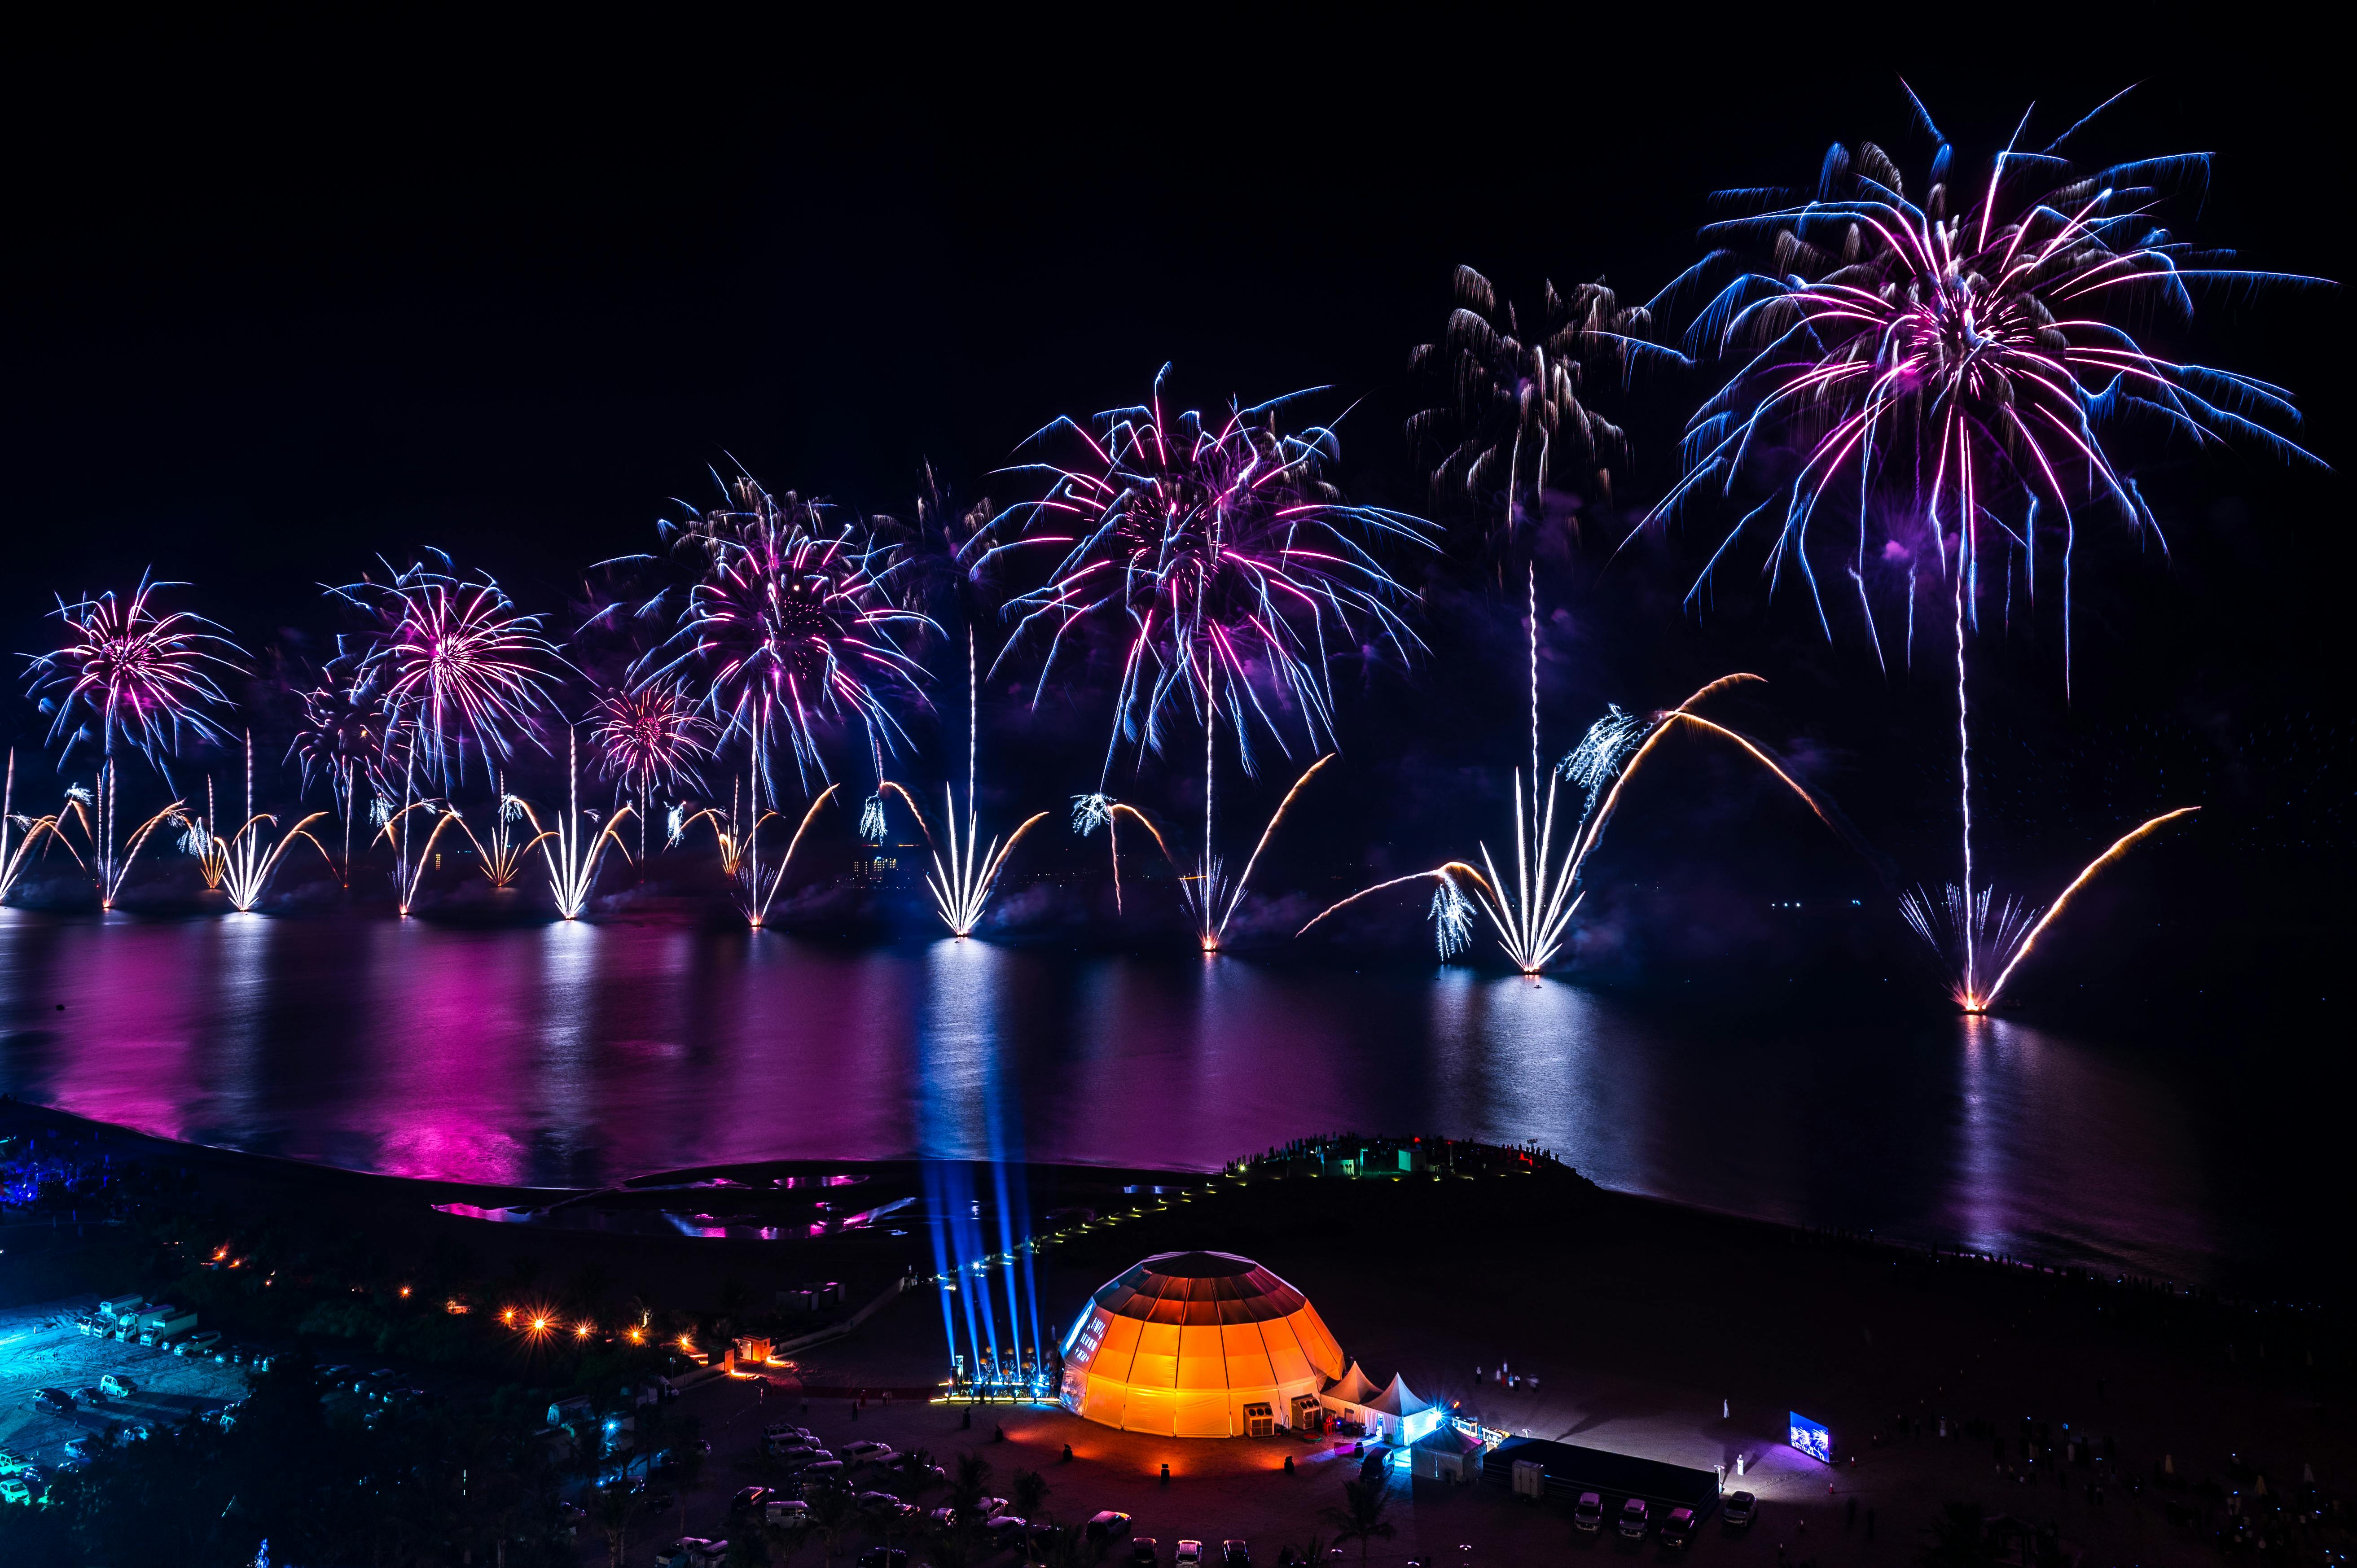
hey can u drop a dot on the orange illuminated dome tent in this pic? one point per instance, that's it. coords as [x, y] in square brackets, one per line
[1196, 1345]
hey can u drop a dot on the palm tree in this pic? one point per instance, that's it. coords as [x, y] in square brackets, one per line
[832, 1512]
[1030, 1489]
[615, 1509]
[1313, 1554]
[973, 1476]
[918, 1475]
[884, 1517]
[1361, 1517]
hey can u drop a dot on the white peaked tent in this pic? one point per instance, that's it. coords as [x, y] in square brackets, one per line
[1351, 1391]
[1402, 1417]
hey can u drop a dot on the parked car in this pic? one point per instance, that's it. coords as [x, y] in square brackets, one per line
[1145, 1553]
[1737, 1509]
[683, 1552]
[1006, 1529]
[55, 1401]
[10, 1465]
[857, 1452]
[80, 1448]
[1588, 1513]
[1633, 1519]
[116, 1384]
[91, 1395]
[133, 1431]
[1235, 1555]
[1108, 1526]
[825, 1473]
[1678, 1529]
[791, 1512]
[1191, 1555]
[13, 1490]
[749, 1501]
[198, 1344]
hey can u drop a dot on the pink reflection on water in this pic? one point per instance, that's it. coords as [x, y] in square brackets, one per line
[577, 1054]
[441, 1054]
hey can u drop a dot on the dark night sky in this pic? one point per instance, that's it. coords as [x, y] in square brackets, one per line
[273, 304]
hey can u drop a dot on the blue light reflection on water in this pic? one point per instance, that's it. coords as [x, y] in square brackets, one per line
[572, 1052]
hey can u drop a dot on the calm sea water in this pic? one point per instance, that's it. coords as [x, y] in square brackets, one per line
[568, 1054]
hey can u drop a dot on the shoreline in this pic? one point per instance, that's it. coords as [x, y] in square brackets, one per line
[1636, 1318]
[2274, 1289]
[737, 1183]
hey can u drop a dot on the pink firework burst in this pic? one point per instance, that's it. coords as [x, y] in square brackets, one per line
[457, 662]
[1941, 375]
[792, 625]
[1220, 557]
[651, 737]
[146, 676]
[1943, 379]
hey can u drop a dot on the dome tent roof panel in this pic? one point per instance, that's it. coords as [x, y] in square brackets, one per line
[1184, 1343]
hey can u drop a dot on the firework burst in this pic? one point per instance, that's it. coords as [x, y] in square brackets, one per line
[1226, 561]
[1091, 812]
[2002, 934]
[342, 738]
[1531, 910]
[792, 625]
[247, 859]
[457, 664]
[1211, 898]
[573, 848]
[199, 839]
[737, 832]
[961, 884]
[1950, 374]
[504, 854]
[1510, 422]
[35, 829]
[149, 678]
[649, 738]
